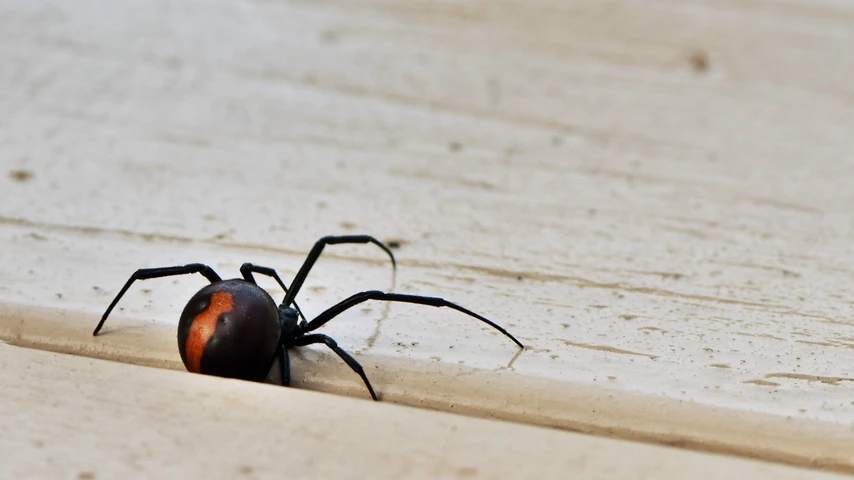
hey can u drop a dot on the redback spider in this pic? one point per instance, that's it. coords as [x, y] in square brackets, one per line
[232, 328]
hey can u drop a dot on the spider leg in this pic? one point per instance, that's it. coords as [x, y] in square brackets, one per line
[358, 298]
[329, 342]
[247, 268]
[159, 272]
[314, 254]
[285, 361]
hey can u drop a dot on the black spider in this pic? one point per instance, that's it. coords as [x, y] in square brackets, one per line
[233, 328]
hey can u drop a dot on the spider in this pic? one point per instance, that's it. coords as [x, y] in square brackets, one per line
[233, 328]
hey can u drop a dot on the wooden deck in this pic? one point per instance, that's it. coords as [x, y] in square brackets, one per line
[654, 196]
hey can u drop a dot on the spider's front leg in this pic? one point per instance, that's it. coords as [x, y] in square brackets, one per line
[349, 360]
[358, 298]
[315, 252]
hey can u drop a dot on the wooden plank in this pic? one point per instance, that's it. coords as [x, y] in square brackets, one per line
[71, 417]
[497, 393]
[650, 195]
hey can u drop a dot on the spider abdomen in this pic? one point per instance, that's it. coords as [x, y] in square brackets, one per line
[229, 329]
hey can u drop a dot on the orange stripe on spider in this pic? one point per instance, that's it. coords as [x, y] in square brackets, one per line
[203, 327]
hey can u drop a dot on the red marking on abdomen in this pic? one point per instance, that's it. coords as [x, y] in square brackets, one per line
[203, 327]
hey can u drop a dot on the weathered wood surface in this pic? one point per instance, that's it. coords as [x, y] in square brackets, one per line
[70, 417]
[654, 196]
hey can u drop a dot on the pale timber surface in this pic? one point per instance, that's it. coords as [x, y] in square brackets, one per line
[654, 196]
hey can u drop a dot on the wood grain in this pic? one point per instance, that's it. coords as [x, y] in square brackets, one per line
[71, 417]
[655, 197]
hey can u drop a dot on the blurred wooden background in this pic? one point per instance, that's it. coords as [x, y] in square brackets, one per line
[654, 196]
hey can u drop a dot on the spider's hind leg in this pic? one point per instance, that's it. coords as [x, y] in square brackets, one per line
[285, 365]
[159, 272]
